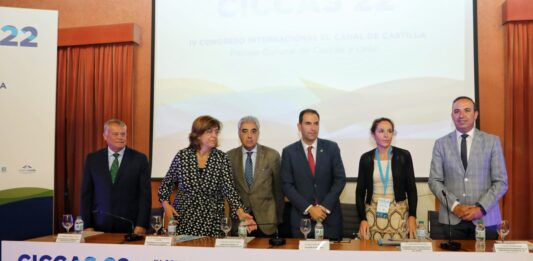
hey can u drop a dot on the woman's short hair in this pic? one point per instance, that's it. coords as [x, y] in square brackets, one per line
[199, 126]
[377, 121]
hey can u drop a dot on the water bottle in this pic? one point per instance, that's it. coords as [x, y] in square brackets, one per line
[319, 230]
[480, 231]
[172, 225]
[421, 230]
[243, 231]
[78, 225]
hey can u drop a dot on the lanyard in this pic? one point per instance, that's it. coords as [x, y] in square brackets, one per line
[384, 180]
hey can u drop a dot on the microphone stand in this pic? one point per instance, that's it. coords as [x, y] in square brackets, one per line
[128, 237]
[450, 245]
[275, 240]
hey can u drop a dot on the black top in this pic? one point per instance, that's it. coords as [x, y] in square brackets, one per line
[403, 178]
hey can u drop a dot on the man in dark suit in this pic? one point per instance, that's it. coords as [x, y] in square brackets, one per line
[313, 178]
[468, 165]
[256, 174]
[116, 181]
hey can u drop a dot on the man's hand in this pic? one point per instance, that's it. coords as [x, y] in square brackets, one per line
[473, 213]
[317, 213]
[461, 210]
[139, 230]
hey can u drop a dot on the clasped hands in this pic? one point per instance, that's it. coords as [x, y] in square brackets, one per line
[468, 212]
[317, 212]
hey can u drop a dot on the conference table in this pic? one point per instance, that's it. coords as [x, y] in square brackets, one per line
[262, 243]
[114, 247]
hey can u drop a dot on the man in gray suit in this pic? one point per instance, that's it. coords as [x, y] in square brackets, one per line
[468, 165]
[256, 174]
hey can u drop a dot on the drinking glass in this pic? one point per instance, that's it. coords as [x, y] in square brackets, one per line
[305, 227]
[504, 229]
[67, 221]
[225, 225]
[156, 223]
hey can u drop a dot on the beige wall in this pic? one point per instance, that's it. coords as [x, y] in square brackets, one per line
[75, 13]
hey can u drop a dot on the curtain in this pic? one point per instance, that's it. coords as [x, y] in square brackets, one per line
[94, 84]
[518, 202]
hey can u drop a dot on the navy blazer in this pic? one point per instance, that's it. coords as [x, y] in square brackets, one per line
[129, 197]
[324, 188]
[403, 178]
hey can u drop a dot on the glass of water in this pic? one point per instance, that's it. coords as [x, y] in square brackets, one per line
[225, 225]
[156, 223]
[67, 221]
[504, 229]
[305, 227]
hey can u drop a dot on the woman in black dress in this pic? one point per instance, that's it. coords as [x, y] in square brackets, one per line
[202, 175]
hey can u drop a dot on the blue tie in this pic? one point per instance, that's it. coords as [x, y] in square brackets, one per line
[248, 169]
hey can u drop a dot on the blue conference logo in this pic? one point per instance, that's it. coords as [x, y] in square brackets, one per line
[26, 257]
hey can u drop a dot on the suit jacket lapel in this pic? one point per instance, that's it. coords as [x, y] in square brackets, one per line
[259, 159]
[456, 154]
[240, 170]
[303, 159]
[123, 164]
[319, 157]
[475, 148]
[105, 164]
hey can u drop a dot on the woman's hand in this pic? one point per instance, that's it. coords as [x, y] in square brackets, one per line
[169, 211]
[364, 232]
[411, 223]
[250, 222]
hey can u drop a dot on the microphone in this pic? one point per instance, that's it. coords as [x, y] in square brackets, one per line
[450, 245]
[128, 237]
[275, 240]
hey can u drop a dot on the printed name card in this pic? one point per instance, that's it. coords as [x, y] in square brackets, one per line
[69, 238]
[416, 247]
[511, 248]
[314, 245]
[158, 241]
[230, 242]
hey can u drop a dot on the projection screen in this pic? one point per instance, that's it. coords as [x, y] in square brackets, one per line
[352, 61]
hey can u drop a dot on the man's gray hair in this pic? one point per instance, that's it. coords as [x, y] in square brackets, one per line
[248, 119]
[114, 121]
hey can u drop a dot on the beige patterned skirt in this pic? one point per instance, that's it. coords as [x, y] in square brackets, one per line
[381, 228]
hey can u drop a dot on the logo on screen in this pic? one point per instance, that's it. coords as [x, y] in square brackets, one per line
[25, 37]
[27, 169]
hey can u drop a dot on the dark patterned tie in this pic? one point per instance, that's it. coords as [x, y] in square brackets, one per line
[464, 153]
[311, 160]
[248, 169]
[114, 168]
